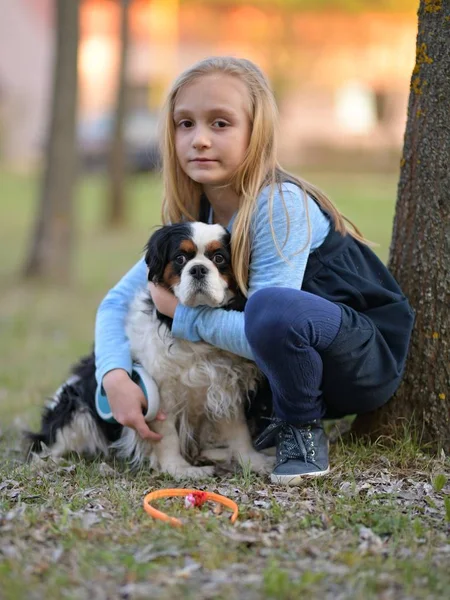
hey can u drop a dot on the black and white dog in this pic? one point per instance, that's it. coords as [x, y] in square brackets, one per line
[202, 389]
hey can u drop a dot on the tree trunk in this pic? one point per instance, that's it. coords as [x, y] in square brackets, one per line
[420, 249]
[50, 252]
[117, 163]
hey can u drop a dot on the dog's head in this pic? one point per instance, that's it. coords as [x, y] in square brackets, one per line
[193, 260]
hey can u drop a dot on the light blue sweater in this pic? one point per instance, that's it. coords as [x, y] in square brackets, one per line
[221, 328]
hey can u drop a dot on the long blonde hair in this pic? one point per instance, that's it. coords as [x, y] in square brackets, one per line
[259, 169]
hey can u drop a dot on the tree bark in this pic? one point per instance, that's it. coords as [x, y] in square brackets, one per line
[117, 163]
[51, 248]
[420, 249]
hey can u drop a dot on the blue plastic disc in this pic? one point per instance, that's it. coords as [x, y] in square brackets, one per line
[147, 385]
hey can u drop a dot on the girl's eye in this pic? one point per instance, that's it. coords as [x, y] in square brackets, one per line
[181, 259]
[185, 124]
[220, 124]
[218, 259]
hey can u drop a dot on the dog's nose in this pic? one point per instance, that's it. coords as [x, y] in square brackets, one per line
[198, 271]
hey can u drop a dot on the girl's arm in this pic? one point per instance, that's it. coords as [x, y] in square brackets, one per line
[112, 349]
[225, 329]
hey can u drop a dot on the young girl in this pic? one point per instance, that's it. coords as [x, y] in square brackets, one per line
[325, 321]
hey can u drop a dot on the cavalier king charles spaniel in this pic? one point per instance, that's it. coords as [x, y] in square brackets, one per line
[203, 390]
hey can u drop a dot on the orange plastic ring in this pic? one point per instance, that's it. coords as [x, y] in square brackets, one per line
[167, 493]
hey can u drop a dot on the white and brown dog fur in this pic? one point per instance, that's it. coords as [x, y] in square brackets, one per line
[203, 390]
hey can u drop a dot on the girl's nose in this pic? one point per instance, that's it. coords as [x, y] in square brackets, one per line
[200, 139]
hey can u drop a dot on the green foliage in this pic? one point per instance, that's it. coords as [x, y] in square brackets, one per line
[276, 582]
[447, 508]
[439, 482]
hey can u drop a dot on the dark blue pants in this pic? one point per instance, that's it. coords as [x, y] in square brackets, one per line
[321, 359]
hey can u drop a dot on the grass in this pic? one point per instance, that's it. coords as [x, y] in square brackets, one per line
[377, 527]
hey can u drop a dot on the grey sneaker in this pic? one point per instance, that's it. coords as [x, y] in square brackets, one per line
[302, 451]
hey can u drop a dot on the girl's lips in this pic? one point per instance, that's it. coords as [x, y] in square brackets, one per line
[202, 160]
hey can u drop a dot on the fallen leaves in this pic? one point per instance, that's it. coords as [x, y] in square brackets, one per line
[53, 512]
[370, 543]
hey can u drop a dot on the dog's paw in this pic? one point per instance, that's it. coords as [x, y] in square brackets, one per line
[258, 463]
[216, 454]
[180, 472]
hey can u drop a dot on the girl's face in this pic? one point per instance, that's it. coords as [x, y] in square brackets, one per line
[212, 128]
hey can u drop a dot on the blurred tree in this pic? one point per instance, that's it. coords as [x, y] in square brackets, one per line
[117, 162]
[420, 249]
[50, 251]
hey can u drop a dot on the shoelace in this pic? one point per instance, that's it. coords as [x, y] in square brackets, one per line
[292, 442]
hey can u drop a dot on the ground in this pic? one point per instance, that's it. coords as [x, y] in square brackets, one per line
[376, 527]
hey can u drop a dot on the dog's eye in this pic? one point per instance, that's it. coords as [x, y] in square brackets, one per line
[181, 259]
[219, 259]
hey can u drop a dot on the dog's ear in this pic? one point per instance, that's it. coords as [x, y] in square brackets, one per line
[237, 303]
[226, 240]
[157, 253]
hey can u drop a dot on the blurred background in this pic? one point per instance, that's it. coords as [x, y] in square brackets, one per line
[340, 70]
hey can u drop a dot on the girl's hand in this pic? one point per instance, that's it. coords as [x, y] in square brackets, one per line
[127, 401]
[165, 302]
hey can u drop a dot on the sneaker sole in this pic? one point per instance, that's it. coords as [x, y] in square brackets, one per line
[296, 479]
